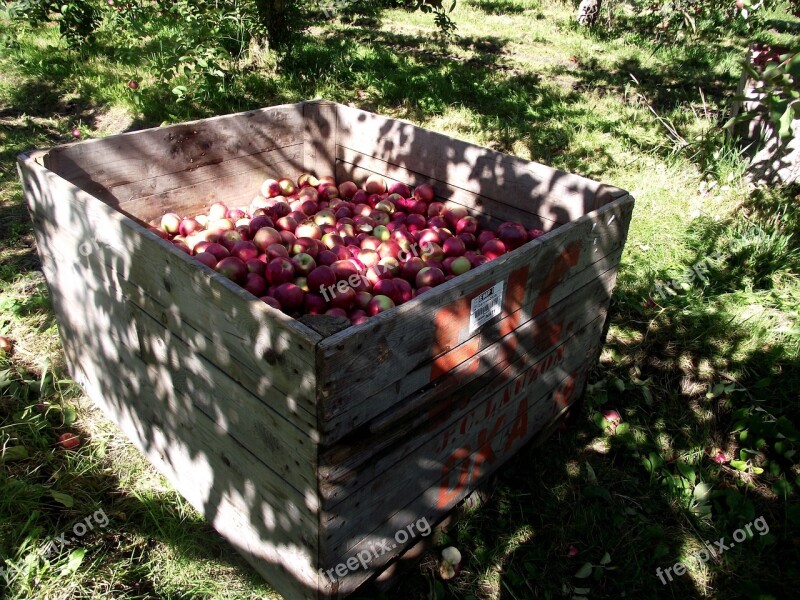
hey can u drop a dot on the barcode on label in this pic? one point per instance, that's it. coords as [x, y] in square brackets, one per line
[486, 306]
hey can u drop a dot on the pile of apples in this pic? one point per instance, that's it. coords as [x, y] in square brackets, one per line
[315, 247]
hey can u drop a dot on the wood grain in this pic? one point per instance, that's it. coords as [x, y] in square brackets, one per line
[356, 363]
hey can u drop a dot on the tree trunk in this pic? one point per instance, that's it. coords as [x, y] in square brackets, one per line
[274, 15]
[589, 11]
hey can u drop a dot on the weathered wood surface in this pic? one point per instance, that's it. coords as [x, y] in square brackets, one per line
[483, 435]
[347, 467]
[392, 344]
[473, 358]
[114, 272]
[357, 167]
[253, 342]
[552, 194]
[126, 361]
[320, 134]
[232, 184]
[135, 156]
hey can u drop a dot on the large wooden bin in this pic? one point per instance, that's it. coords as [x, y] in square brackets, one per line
[309, 452]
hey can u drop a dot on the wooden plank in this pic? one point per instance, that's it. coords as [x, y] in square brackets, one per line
[392, 344]
[357, 167]
[134, 156]
[233, 190]
[222, 481]
[272, 162]
[473, 356]
[242, 336]
[435, 477]
[537, 188]
[320, 132]
[341, 468]
[495, 350]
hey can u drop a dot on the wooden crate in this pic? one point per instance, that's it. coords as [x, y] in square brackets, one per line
[306, 450]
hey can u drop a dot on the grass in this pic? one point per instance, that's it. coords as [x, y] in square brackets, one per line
[711, 367]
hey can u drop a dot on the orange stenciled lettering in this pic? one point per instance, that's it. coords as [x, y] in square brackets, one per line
[520, 426]
[486, 451]
[448, 495]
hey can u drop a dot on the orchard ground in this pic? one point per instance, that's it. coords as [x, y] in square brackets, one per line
[704, 378]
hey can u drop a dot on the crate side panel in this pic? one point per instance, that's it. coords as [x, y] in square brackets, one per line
[393, 344]
[274, 354]
[104, 346]
[235, 183]
[550, 193]
[139, 155]
[351, 465]
[270, 162]
[475, 360]
[433, 479]
[320, 132]
[465, 358]
[110, 286]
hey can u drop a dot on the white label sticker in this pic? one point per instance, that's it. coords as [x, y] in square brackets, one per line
[486, 305]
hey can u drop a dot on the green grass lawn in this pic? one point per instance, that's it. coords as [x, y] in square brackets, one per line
[711, 366]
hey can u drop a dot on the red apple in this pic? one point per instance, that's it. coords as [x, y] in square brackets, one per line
[233, 268]
[453, 246]
[276, 251]
[280, 270]
[375, 184]
[288, 238]
[245, 251]
[68, 441]
[379, 304]
[289, 295]
[255, 284]
[189, 226]
[337, 312]
[230, 238]
[256, 265]
[171, 223]
[314, 304]
[217, 212]
[265, 237]
[467, 224]
[357, 317]
[321, 278]
[453, 215]
[435, 209]
[303, 264]
[307, 179]
[416, 222]
[469, 240]
[362, 299]
[399, 188]
[535, 233]
[403, 291]
[429, 276]
[513, 235]
[270, 188]
[484, 236]
[347, 189]
[270, 301]
[343, 297]
[460, 265]
[411, 268]
[493, 249]
[327, 258]
[218, 250]
[287, 187]
[424, 192]
[207, 259]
